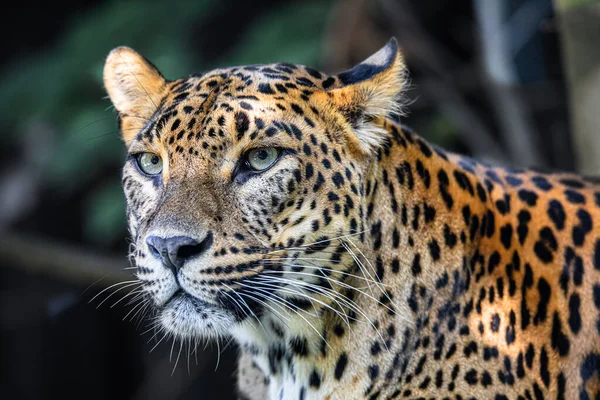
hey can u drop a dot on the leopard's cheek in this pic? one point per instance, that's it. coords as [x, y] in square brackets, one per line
[141, 198]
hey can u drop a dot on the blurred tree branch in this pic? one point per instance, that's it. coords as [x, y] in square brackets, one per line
[512, 114]
[451, 84]
[580, 35]
[424, 50]
[62, 261]
[351, 30]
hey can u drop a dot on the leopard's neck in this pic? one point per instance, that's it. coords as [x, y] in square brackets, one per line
[427, 211]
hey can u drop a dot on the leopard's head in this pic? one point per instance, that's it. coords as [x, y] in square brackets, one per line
[245, 186]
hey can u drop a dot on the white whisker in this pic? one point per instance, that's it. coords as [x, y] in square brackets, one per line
[112, 286]
[178, 355]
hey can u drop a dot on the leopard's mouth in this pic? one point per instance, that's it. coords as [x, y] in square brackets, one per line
[187, 316]
[182, 296]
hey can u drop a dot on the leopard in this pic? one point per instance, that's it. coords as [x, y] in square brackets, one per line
[290, 211]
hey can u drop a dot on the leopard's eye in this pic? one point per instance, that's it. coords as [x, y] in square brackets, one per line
[150, 163]
[261, 159]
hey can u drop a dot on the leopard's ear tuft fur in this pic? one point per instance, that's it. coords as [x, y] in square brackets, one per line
[134, 86]
[370, 90]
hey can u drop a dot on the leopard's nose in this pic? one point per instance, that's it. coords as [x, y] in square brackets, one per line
[174, 251]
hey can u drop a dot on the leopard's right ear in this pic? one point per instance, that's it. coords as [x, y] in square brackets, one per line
[371, 89]
[135, 88]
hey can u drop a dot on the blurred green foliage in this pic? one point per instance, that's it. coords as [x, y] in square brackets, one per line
[62, 86]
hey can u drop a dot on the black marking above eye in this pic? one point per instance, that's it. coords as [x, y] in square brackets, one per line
[241, 124]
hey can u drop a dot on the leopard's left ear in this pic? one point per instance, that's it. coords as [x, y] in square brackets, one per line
[370, 90]
[134, 86]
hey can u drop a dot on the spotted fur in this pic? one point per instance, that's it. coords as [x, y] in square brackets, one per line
[366, 263]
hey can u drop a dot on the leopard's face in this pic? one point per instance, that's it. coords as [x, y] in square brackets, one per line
[245, 188]
[240, 186]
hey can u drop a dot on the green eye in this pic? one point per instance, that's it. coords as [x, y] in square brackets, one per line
[150, 163]
[261, 159]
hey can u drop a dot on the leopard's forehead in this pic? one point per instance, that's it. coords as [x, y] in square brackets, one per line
[273, 84]
[272, 79]
[216, 115]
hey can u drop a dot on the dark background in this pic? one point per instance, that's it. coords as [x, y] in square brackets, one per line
[487, 79]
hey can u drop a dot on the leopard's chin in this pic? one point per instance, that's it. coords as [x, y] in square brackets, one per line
[185, 316]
